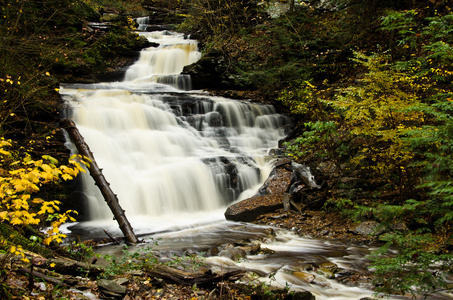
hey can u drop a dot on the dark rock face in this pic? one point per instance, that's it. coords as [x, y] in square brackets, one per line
[210, 72]
[287, 178]
[278, 181]
[250, 209]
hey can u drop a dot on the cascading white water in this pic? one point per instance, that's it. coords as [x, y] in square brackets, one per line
[165, 63]
[142, 23]
[166, 152]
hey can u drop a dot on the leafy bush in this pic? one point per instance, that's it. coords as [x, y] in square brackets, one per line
[21, 180]
[418, 268]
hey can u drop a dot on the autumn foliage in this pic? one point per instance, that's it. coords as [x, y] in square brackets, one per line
[21, 180]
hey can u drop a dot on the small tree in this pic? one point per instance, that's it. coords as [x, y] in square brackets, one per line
[380, 111]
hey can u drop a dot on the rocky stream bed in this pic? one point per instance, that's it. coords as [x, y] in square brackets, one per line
[274, 206]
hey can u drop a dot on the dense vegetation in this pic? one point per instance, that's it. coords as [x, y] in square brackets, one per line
[369, 84]
[42, 44]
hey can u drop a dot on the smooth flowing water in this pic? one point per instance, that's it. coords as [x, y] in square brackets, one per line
[172, 156]
[176, 158]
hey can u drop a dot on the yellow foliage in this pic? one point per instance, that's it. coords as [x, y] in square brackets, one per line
[21, 177]
[380, 111]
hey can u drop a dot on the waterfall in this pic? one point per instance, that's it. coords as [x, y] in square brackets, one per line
[165, 63]
[142, 23]
[167, 151]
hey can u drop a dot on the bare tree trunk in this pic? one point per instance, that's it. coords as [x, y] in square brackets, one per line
[100, 180]
[291, 5]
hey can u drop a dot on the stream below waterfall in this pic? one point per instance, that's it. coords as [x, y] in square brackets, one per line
[177, 158]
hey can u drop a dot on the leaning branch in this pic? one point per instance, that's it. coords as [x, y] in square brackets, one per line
[101, 182]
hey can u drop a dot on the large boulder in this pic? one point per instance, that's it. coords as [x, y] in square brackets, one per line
[250, 209]
[278, 180]
[287, 178]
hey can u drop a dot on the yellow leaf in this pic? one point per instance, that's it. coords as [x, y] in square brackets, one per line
[52, 160]
[3, 215]
[4, 143]
[25, 197]
[16, 221]
[3, 152]
[66, 177]
[38, 200]
[46, 168]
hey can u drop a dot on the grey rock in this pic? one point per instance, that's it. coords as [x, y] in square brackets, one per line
[233, 253]
[369, 228]
[111, 286]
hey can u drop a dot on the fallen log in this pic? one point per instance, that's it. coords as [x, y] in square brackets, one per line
[31, 273]
[101, 182]
[66, 266]
[172, 275]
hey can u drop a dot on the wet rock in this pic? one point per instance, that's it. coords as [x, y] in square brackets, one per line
[304, 277]
[307, 266]
[250, 209]
[326, 273]
[111, 286]
[214, 119]
[266, 251]
[213, 252]
[235, 254]
[252, 249]
[255, 249]
[329, 266]
[369, 228]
